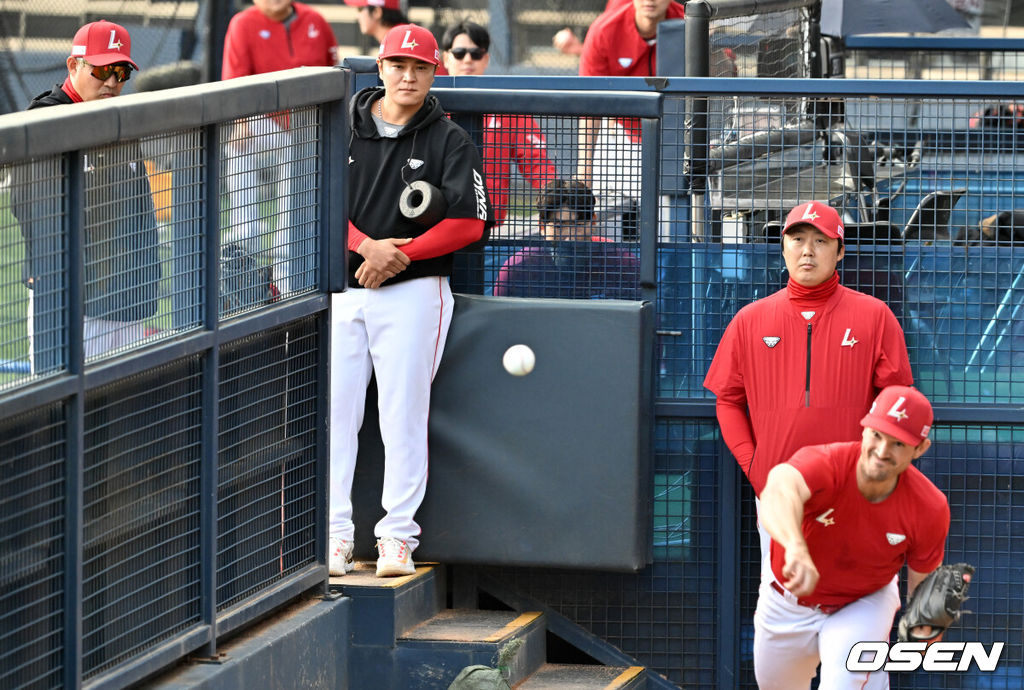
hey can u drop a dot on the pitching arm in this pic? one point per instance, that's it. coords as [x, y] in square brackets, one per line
[781, 514]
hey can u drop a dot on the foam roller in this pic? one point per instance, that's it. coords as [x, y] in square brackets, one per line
[423, 203]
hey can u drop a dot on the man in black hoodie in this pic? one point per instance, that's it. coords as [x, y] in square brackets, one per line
[393, 318]
[122, 267]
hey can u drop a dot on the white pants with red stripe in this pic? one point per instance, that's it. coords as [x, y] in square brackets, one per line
[790, 640]
[398, 332]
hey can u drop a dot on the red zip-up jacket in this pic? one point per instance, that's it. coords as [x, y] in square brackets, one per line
[783, 382]
[255, 44]
[614, 47]
[518, 139]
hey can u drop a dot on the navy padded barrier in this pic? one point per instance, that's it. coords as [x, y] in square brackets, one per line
[550, 469]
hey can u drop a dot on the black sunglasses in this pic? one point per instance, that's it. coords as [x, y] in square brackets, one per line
[475, 53]
[123, 72]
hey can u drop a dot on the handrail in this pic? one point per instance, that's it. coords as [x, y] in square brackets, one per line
[57, 129]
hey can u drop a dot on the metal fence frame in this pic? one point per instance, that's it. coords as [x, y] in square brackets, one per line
[730, 490]
[22, 136]
[67, 130]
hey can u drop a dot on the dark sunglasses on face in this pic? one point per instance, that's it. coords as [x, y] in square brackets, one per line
[123, 72]
[475, 53]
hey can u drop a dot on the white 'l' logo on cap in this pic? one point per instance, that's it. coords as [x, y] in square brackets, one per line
[808, 213]
[897, 413]
[408, 41]
[114, 44]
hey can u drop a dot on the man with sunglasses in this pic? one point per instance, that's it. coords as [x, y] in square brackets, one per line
[98, 67]
[506, 138]
[122, 267]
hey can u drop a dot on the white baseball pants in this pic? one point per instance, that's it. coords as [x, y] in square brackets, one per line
[99, 335]
[398, 332]
[790, 640]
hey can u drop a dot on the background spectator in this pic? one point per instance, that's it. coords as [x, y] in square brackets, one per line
[377, 17]
[272, 35]
[507, 139]
[573, 263]
[122, 265]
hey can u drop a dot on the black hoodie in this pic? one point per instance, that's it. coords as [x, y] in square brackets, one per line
[122, 264]
[430, 147]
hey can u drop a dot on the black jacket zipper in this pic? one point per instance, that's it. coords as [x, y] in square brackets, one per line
[807, 383]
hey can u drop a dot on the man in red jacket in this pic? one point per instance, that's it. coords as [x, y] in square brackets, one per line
[507, 139]
[269, 36]
[620, 43]
[801, 367]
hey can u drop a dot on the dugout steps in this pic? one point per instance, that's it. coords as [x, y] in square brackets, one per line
[403, 636]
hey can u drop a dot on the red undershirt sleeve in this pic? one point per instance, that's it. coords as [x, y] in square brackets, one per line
[355, 236]
[444, 238]
[736, 430]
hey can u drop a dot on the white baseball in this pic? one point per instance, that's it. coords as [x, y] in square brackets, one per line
[518, 360]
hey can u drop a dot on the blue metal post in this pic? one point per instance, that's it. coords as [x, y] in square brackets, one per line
[75, 410]
[210, 397]
[728, 641]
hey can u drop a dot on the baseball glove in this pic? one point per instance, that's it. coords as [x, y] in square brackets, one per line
[936, 602]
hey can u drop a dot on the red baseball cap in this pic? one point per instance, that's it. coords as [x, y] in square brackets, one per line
[901, 411]
[103, 43]
[384, 4]
[410, 40]
[817, 214]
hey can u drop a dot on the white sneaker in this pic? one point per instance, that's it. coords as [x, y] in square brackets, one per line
[339, 556]
[395, 558]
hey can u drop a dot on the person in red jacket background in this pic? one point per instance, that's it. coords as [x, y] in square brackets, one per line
[566, 40]
[271, 35]
[507, 139]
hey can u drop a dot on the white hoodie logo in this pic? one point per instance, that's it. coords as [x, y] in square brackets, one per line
[771, 340]
[625, 62]
[481, 196]
[415, 163]
[894, 539]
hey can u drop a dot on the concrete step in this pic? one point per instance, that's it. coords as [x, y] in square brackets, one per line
[383, 608]
[580, 677]
[431, 654]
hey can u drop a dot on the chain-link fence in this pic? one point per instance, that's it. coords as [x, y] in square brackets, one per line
[927, 194]
[882, 57]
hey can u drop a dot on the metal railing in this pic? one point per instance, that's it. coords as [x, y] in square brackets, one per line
[244, 496]
[919, 189]
[163, 476]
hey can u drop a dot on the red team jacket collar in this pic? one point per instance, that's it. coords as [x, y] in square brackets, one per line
[67, 88]
[812, 296]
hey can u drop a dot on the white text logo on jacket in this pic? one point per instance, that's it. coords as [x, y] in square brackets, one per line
[481, 196]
